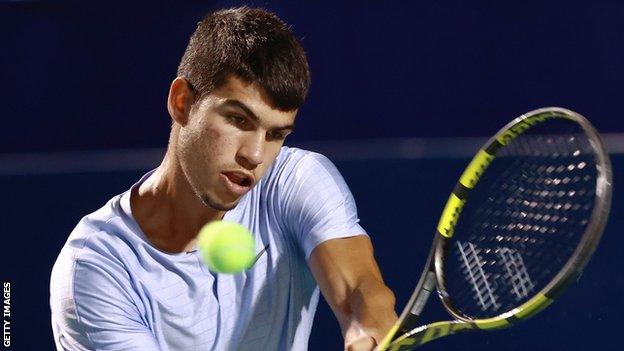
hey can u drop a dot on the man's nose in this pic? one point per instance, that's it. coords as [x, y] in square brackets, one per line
[251, 152]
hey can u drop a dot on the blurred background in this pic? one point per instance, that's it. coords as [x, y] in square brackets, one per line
[403, 94]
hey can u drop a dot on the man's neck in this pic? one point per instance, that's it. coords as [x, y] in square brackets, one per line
[167, 209]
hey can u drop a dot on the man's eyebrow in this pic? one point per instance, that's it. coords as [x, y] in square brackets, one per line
[242, 106]
[250, 114]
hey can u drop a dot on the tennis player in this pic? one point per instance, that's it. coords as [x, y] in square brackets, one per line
[130, 276]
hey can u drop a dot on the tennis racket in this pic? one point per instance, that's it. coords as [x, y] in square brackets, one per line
[518, 228]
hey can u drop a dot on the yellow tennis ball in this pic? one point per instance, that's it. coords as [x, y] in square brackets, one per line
[226, 247]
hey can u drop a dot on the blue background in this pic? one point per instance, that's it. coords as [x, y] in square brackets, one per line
[94, 75]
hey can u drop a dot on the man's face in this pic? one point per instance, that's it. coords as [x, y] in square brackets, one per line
[232, 137]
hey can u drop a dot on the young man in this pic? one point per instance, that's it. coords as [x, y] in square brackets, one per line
[130, 276]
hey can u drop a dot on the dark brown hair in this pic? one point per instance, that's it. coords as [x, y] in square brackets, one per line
[254, 45]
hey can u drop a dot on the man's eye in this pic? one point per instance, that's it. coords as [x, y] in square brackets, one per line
[237, 119]
[277, 135]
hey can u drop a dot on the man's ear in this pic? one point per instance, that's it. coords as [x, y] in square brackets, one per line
[181, 97]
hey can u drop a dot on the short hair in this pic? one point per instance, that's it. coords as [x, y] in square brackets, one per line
[254, 45]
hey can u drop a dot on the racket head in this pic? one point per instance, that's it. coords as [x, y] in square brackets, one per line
[517, 243]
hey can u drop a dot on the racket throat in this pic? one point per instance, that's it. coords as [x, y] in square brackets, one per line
[429, 285]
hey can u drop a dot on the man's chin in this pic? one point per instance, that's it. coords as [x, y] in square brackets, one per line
[218, 205]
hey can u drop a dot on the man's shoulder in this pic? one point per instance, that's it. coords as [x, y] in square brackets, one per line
[90, 279]
[293, 160]
[92, 261]
[297, 173]
[291, 154]
[98, 237]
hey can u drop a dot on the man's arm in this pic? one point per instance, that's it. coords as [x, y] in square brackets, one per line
[351, 282]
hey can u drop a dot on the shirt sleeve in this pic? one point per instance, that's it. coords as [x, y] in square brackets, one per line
[319, 205]
[92, 309]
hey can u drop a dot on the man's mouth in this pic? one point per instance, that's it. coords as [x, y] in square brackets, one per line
[239, 178]
[237, 182]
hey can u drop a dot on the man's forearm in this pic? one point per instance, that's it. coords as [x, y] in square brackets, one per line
[351, 282]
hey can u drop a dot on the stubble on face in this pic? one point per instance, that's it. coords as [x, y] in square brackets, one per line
[199, 153]
[209, 202]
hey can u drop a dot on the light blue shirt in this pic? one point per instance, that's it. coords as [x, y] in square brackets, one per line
[111, 289]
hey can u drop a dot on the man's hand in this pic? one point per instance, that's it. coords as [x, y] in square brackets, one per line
[357, 339]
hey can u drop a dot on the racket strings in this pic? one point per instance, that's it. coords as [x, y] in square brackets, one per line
[522, 222]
